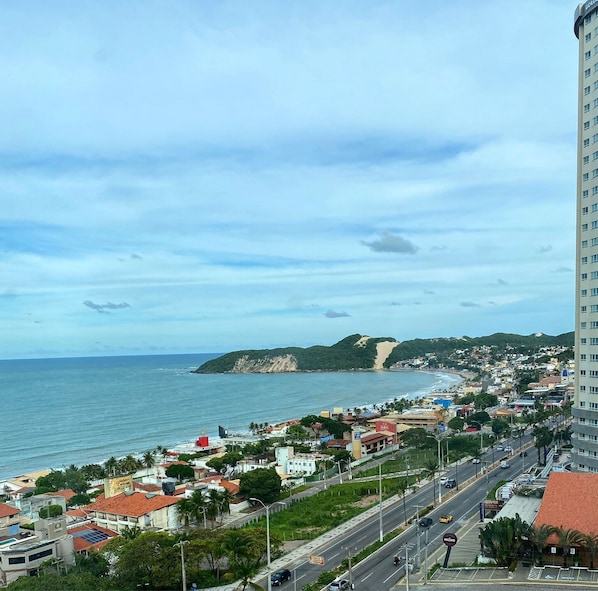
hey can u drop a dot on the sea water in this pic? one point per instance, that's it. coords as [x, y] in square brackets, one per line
[58, 412]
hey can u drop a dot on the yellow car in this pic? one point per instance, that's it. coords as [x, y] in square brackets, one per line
[446, 518]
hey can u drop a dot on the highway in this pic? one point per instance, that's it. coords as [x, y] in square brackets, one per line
[377, 572]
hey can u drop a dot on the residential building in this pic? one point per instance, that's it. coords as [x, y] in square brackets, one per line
[134, 509]
[22, 554]
[585, 405]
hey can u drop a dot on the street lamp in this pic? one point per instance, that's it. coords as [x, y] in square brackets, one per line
[439, 466]
[183, 573]
[267, 508]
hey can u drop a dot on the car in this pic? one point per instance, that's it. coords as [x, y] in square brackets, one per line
[500, 448]
[443, 480]
[339, 585]
[508, 448]
[523, 454]
[504, 464]
[445, 518]
[475, 461]
[280, 576]
[425, 522]
[450, 483]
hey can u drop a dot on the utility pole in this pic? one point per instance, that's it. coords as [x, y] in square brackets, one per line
[380, 486]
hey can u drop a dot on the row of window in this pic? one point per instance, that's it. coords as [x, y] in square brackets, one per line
[593, 325]
[593, 259]
[584, 227]
[593, 358]
[588, 71]
[31, 558]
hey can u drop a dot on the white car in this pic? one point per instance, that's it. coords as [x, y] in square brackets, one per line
[508, 448]
[475, 461]
[339, 585]
[443, 480]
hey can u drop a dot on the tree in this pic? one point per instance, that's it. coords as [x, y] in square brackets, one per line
[503, 537]
[261, 483]
[431, 467]
[538, 537]
[50, 511]
[456, 424]
[543, 437]
[499, 427]
[149, 461]
[417, 437]
[180, 471]
[590, 543]
[567, 538]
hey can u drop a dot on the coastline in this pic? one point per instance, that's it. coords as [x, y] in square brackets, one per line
[276, 395]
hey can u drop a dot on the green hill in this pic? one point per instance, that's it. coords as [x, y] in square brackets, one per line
[358, 352]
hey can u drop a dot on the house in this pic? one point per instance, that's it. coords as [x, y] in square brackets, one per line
[22, 554]
[570, 501]
[88, 537]
[8, 516]
[134, 509]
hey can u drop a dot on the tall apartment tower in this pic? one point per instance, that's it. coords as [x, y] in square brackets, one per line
[585, 407]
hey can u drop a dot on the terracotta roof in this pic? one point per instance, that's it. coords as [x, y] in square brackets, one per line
[67, 493]
[77, 513]
[570, 501]
[132, 505]
[147, 487]
[373, 437]
[7, 510]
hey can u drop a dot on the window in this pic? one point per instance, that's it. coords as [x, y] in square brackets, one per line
[584, 293]
[586, 142]
[586, 176]
[584, 260]
[594, 225]
[595, 259]
[593, 341]
[583, 325]
[585, 210]
[594, 207]
[587, 73]
[587, 19]
[588, 36]
[584, 193]
[594, 275]
[584, 227]
[586, 159]
[584, 309]
[40, 554]
[595, 138]
[587, 55]
[16, 560]
[595, 67]
[583, 340]
[595, 190]
[584, 244]
[586, 90]
[594, 308]
[586, 125]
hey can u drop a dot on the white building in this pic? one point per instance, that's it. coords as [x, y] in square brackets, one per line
[585, 405]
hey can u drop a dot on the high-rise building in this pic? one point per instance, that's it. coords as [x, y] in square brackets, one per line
[585, 406]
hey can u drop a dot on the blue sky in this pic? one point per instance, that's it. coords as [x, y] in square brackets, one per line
[195, 176]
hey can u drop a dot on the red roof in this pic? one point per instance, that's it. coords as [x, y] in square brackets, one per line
[570, 501]
[67, 493]
[131, 504]
[7, 510]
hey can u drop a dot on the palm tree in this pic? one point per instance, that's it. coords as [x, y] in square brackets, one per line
[567, 538]
[148, 460]
[111, 466]
[538, 537]
[199, 506]
[186, 511]
[430, 469]
[543, 437]
[590, 543]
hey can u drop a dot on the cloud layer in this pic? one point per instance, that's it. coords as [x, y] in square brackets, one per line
[237, 174]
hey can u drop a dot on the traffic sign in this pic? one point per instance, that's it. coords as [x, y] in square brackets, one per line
[449, 539]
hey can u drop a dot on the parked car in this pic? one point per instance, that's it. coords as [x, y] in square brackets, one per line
[280, 576]
[450, 483]
[445, 518]
[425, 522]
[339, 585]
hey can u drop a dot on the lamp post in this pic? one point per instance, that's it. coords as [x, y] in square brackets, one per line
[380, 516]
[439, 466]
[183, 572]
[268, 558]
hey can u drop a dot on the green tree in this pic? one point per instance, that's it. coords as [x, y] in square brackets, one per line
[590, 543]
[261, 483]
[180, 471]
[567, 538]
[542, 439]
[50, 511]
[417, 437]
[538, 537]
[456, 424]
[499, 427]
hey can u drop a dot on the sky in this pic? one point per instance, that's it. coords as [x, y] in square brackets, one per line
[207, 176]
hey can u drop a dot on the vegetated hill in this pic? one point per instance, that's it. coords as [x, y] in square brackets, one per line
[501, 342]
[353, 352]
[359, 352]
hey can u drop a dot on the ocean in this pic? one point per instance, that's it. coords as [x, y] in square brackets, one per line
[58, 412]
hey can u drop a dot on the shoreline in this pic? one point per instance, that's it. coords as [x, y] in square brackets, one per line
[213, 436]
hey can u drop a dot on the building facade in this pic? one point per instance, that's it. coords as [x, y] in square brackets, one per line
[585, 405]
